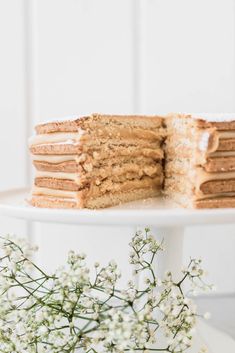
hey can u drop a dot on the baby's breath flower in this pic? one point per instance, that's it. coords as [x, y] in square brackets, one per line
[207, 316]
[66, 311]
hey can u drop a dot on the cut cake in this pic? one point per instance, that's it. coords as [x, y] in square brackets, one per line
[97, 161]
[103, 160]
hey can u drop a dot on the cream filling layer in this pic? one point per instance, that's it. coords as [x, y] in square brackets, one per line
[52, 192]
[190, 199]
[56, 159]
[222, 154]
[57, 137]
[201, 176]
[119, 170]
[75, 137]
[58, 175]
[226, 134]
[194, 179]
[214, 196]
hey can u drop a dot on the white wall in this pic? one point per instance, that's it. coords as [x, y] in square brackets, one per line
[12, 105]
[84, 64]
[187, 55]
[187, 63]
[146, 56]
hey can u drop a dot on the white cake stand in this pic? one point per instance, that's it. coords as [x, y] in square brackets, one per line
[167, 220]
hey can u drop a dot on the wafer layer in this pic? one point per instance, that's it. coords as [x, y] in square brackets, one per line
[106, 200]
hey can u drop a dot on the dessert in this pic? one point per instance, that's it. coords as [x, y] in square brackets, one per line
[103, 160]
[200, 160]
[97, 161]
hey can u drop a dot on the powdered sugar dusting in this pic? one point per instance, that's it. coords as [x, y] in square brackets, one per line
[204, 141]
[216, 118]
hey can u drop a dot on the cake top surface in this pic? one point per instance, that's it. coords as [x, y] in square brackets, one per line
[210, 117]
[73, 123]
[214, 117]
[75, 117]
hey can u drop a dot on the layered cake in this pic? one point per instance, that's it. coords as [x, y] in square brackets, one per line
[97, 161]
[104, 160]
[200, 160]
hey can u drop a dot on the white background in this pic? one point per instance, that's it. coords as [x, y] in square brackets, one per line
[63, 57]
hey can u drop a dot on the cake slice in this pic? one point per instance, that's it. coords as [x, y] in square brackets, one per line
[200, 160]
[97, 161]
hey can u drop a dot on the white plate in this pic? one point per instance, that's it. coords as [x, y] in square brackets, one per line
[151, 212]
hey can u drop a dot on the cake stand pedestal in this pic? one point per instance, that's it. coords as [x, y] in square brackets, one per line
[166, 220]
[172, 258]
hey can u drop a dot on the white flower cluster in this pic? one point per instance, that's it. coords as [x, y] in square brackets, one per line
[71, 309]
[178, 319]
[123, 331]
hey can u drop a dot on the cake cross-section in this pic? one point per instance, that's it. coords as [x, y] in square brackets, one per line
[104, 160]
[97, 161]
